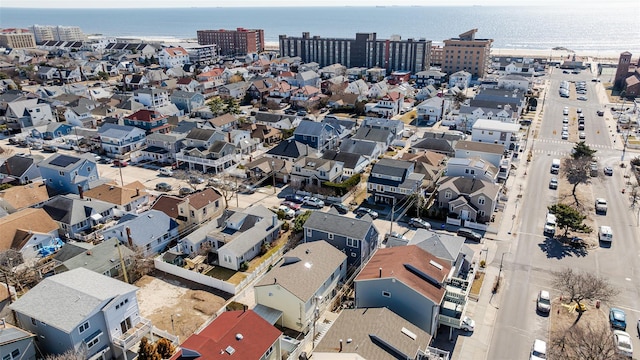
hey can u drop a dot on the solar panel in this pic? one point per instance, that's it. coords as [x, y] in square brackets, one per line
[64, 160]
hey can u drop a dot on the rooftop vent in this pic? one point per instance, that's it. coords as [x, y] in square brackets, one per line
[239, 336]
[230, 350]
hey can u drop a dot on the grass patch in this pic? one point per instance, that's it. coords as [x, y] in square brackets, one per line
[477, 283]
[221, 273]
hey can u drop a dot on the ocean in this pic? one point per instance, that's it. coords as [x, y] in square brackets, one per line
[585, 28]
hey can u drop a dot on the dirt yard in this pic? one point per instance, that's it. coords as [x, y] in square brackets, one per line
[161, 298]
[585, 205]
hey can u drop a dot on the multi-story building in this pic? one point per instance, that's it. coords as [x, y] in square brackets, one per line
[17, 38]
[366, 50]
[467, 53]
[57, 33]
[233, 42]
[202, 54]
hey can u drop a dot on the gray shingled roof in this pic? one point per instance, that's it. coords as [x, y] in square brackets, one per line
[338, 224]
[305, 269]
[441, 245]
[99, 258]
[391, 167]
[65, 300]
[359, 324]
[70, 209]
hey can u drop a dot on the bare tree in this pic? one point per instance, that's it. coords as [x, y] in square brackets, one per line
[141, 265]
[71, 354]
[581, 286]
[588, 341]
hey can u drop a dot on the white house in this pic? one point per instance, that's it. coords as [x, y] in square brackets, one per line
[514, 81]
[173, 56]
[494, 132]
[460, 79]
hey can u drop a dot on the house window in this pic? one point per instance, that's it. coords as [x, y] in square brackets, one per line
[352, 243]
[93, 341]
[33, 321]
[309, 232]
[61, 173]
[481, 200]
[386, 294]
[447, 194]
[481, 212]
[89, 168]
[83, 327]
[330, 236]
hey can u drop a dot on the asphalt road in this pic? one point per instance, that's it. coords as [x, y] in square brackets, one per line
[530, 257]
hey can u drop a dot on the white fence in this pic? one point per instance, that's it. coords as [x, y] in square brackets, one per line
[475, 225]
[213, 282]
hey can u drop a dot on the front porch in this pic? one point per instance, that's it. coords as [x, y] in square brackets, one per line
[129, 342]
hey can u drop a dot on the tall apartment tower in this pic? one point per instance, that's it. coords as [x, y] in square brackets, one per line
[57, 33]
[233, 42]
[467, 53]
[17, 38]
[366, 50]
[622, 72]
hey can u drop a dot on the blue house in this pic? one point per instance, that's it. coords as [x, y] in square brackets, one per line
[318, 135]
[52, 131]
[357, 238]
[187, 101]
[150, 231]
[66, 173]
[120, 139]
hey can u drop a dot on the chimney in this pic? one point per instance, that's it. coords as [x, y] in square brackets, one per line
[80, 191]
[137, 192]
[8, 167]
[340, 345]
[380, 272]
[244, 308]
[129, 239]
[275, 281]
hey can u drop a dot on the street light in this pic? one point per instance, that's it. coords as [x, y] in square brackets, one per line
[501, 260]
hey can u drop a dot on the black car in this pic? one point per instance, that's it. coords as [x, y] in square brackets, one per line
[469, 234]
[294, 198]
[341, 208]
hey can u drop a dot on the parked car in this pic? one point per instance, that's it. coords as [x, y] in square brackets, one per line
[362, 211]
[565, 111]
[419, 223]
[565, 135]
[622, 341]
[617, 319]
[291, 205]
[468, 324]
[246, 189]
[196, 179]
[395, 235]
[582, 135]
[120, 163]
[294, 198]
[340, 208]
[49, 148]
[313, 201]
[107, 161]
[608, 170]
[543, 303]
[185, 191]
[538, 350]
[288, 213]
[13, 141]
[469, 234]
[163, 186]
[553, 183]
[583, 98]
[165, 172]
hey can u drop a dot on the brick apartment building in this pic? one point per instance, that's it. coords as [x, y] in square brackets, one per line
[17, 38]
[233, 42]
[467, 53]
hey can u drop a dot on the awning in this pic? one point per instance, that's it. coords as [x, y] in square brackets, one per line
[271, 315]
[96, 217]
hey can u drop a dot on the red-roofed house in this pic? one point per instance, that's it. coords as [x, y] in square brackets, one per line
[408, 281]
[389, 105]
[188, 84]
[172, 57]
[150, 120]
[211, 79]
[233, 335]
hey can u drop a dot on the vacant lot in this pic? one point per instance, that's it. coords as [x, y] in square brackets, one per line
[163, 298]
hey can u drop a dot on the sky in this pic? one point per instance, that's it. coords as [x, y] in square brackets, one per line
[294, 3]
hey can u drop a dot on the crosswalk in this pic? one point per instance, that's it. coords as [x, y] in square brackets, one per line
[565, 143]
[560, 153]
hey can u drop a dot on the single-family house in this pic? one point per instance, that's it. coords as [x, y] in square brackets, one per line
[352, 163]
[211, 79]
[468, 199]
[389, 105]
[290, 150]
[406, 280]
[243, 334]
[332, 70]
[217, 157]
[313, 171]
[264, 133]
[500, 98]
[235, 90]
[224, 122]
[396, 127]
[430, 77]
[103, 313]
[240, 235]
[169, 57]
[118, 140]
[303, 284]
[187, 101]
[188, 84]
[16, 343]
[460, 79]
[357, 238]
[491, 153]
[150, 121]
[19, 169]
[77, 216]
[52, 131]
[369, 149]
[152, 97]
[495, 132]
[371, 333]
[514, 81]
[150, 231]
[28, 231]
[202, 138]
[17, 198]
[103, 258]
[264, 166]
[392, 180]
[320, 136]
[162, 148]
[431, 110]
[261, 88]
[130, 197]
[27, 113]
[278, 121]
[65, 174]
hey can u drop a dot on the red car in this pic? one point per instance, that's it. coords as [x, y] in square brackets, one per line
[291, 205]
[120, 163]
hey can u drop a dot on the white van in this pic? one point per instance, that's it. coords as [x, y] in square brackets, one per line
[605, 233]
[550, 225]
[555, 166]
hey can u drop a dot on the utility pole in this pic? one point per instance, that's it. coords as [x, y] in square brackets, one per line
[393, 209]
[122, 265]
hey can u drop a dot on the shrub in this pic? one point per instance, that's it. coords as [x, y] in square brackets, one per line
[285, 226]
[244, 266]
[482, 263]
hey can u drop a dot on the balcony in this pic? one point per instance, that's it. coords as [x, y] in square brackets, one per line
[206, 162]
[129, 339]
